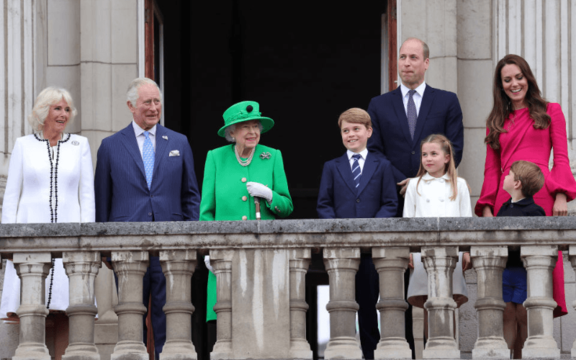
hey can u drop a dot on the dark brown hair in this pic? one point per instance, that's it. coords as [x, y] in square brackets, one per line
[449, 168]
[502, 107]
[530, 177]
[355, 116]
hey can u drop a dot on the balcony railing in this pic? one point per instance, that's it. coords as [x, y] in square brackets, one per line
[261, 268]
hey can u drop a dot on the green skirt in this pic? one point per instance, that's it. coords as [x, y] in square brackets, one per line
[211, 298]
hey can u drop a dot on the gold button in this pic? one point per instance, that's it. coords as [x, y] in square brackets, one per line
[244, 217]
[243, 179]
[244, 198]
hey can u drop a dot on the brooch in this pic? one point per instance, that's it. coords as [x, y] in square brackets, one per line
[75, 143]
[265, 155]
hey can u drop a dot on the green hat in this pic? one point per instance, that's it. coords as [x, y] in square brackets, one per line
[244, 111]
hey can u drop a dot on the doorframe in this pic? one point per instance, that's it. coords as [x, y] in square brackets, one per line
[146, 8]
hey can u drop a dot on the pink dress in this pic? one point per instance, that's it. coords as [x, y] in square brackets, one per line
[523, 142]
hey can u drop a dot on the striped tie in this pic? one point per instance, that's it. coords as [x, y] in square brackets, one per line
[148, 158]
[356, 172]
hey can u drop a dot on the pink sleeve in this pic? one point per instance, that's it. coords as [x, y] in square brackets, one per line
[560, 179]
[492, 174]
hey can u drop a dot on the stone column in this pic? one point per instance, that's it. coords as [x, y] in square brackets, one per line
[439, 262]
[539, 262]
[342, 265]
[32, 270]
[178, 267]
[81, 268]
[221, 261]
[572, 256]
[299, 263]
[130, 267]
[391, 263]
[489, 263]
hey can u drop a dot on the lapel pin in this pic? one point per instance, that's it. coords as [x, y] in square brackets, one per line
[265, 155]
[164, 137]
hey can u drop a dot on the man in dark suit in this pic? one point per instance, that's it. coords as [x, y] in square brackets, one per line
[359, 184]
[145, 172]
[403, 117]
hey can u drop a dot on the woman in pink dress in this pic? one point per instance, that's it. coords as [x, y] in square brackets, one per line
[524, 126]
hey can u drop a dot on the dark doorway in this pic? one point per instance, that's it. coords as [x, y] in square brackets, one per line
[305, 62]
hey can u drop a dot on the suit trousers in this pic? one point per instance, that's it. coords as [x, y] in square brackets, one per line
[367, 293]
[155, 285]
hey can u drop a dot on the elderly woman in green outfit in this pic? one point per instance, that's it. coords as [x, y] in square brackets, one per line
[236, 174]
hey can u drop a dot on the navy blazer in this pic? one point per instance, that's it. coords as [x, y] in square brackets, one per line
[120, 186]
[440, 113]
[375, 197]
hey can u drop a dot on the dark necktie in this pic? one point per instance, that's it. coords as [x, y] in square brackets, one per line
[411, 113]
[356, 172]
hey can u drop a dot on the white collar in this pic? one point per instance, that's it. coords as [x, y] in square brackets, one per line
[139, 131]
[420, 89]
[428, 177]
[362, 153]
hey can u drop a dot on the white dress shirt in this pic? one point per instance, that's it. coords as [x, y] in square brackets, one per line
[361, 161]
[140, 137]
[417, 96]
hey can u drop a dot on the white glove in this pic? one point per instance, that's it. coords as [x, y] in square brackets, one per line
[258, 190]
[207, 262]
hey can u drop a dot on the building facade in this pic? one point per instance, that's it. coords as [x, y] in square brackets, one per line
[94, 48]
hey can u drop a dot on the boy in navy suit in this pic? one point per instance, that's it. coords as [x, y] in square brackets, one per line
[359, 184]
[523, 181]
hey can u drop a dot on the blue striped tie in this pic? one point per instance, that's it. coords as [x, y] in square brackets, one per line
[356, 172]
[148, 158]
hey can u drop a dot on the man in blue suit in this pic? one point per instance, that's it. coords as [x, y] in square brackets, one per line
[145, 172]
[403, 117]
[359, 184]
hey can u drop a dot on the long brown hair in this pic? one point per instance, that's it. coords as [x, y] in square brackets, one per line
[502, 107]
[449, 168]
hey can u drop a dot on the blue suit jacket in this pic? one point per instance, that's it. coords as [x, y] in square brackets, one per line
[440, 113]
[375, 197]
[120, 181]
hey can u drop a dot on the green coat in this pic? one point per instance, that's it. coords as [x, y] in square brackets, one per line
[225, 197]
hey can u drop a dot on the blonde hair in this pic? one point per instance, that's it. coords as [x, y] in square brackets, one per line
[355, 116]
[48, 97]
[449, 168]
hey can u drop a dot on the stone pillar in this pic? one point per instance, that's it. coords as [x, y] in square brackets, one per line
[489, 263]
[439, 262]
[178, 267]
[221, 261]
[130, 267]
[539, 262]
[299, 263]
[391, 263]
[81, 268]
[342, 265]
[32, 270]
[572, 256]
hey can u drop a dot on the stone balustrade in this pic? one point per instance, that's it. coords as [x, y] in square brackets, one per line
[261, 267]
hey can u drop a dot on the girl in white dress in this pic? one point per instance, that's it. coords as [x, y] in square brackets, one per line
[50, 180]
[437, 191]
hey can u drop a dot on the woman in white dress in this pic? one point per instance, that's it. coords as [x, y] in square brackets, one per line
[50, 179]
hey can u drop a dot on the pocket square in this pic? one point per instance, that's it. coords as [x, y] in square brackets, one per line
[174, 153]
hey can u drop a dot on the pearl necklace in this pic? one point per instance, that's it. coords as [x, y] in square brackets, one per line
[244, 162]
